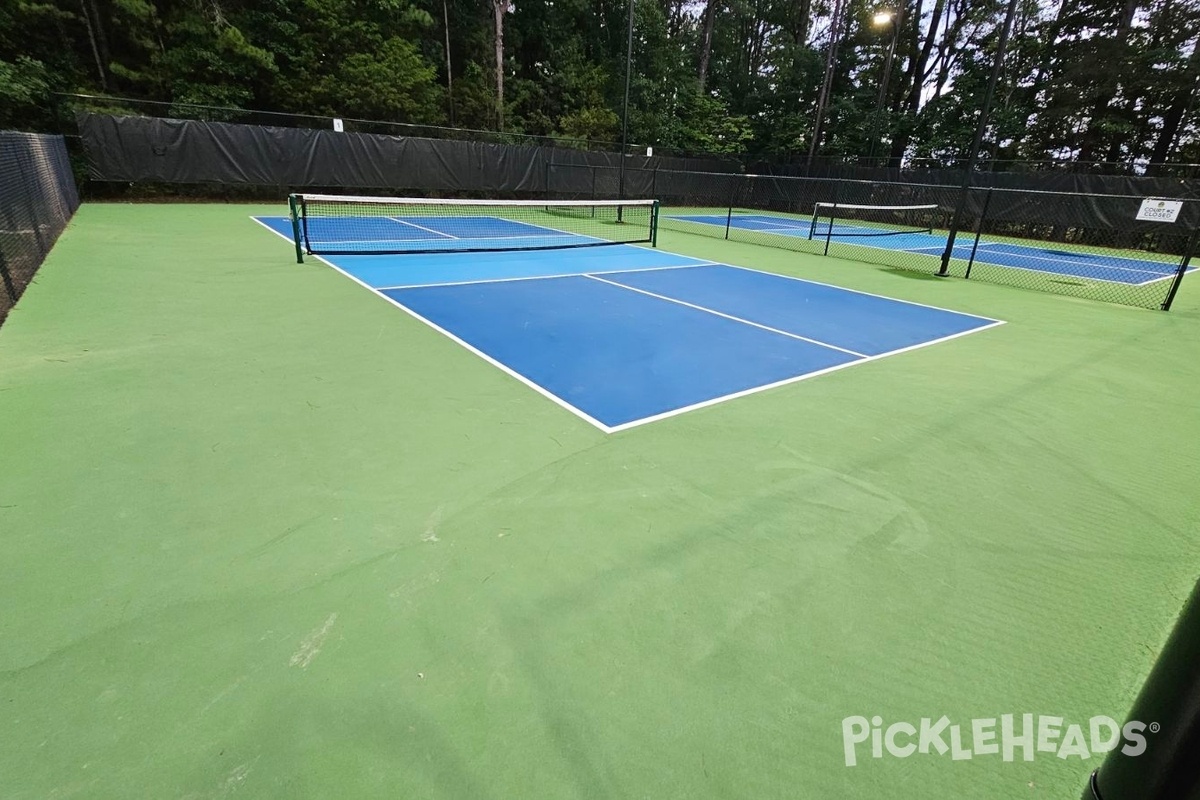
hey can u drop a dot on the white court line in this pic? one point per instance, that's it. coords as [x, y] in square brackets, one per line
[860, 291]
[1081, 263]
[624, 426]
[558, 231]
[421, 227]
[532, 237]
[556, 275]
[1160, 275]
[727, 316]
[674, 412]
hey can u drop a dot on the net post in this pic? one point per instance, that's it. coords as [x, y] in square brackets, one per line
[987, 201]
[812, 228]
[293, 212]
[654, 224]
[1189, 251]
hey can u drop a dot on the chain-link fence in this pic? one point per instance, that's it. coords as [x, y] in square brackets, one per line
[1085, 245]
[37, 199]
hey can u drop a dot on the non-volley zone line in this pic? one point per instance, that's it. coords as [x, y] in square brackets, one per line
[595, 273]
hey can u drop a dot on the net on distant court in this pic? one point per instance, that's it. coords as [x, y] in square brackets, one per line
[348, 225]
[841, 219]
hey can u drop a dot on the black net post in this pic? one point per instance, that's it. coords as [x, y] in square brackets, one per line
[294, 212]
[1193, 243]
[987, 202]
[1166, 716]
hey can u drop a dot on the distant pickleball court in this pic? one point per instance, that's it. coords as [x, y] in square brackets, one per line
[1048, 258]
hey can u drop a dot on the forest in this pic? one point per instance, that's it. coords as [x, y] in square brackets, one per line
[1082, 80]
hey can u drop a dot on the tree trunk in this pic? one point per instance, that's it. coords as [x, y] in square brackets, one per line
[709, 16]
[498, 9]
[1093, 137]
[800, 24]
[92, 40]
[1181, 103]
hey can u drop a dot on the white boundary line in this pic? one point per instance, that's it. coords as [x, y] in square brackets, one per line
[420, 227]
[860, 291]
[756, 389]
[683, 410]
[556, 275]
[726, 316]
[1092, 264]
[1161, 276]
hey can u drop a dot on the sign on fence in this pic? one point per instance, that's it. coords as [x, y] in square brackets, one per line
[1154, 210]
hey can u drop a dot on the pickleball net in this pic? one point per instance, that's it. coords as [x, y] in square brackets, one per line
[353, 225]
[844, 219]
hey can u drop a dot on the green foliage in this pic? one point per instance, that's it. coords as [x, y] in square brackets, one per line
[23, 87]
[1093, 79]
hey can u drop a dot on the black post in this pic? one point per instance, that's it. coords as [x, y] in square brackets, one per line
[973, 157]
[1193, 243]
[625, 111]
[987, 202]
[1166, 717]
[837, 191]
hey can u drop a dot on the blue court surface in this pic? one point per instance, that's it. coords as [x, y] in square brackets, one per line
[1048, 259]
[624, 335]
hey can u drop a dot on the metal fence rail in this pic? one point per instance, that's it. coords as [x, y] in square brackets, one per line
[37, 198]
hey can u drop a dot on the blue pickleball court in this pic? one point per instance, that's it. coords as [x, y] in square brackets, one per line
[624, 335]
[1048, 259]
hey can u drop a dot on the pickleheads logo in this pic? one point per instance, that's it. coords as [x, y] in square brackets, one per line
[1004, 736]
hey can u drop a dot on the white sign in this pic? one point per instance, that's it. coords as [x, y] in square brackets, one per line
[338, 126]
[649, 151]
[1159, 210]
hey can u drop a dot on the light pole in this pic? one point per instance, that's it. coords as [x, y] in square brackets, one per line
[625, 112]
[894, 19]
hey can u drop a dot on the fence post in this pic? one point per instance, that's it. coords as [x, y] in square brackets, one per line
[1189, 251]
[987, 202]
[837, 191]
[733, 202]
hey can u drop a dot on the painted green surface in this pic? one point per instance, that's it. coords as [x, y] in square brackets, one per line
[265, 535]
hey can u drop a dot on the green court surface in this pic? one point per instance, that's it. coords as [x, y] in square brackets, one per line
[265, 535]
